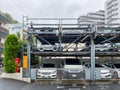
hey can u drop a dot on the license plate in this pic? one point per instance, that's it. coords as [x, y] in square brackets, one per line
[74, 75]
[46, 76]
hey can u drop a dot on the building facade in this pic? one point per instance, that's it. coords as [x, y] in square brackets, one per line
[112, 11]
[3, 33]
[15, 28]
[93, 17]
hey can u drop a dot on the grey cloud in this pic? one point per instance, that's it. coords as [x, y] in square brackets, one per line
[50, 8]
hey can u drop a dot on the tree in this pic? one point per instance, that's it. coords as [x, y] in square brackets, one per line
[9, 17]
[11, 47]
[20, 46]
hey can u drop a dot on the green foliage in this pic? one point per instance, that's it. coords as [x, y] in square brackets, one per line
[34, 60]
[10, 53]
[20, 45]
[10, 18]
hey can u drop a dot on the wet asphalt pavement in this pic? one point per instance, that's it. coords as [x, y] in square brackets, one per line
[9, 84]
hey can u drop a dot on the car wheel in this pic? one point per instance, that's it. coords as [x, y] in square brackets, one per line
[115, 75]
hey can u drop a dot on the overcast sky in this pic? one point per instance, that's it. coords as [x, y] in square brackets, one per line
[50, 8]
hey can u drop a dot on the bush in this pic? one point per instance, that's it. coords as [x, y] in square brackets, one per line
[34, 59]
[11, 47]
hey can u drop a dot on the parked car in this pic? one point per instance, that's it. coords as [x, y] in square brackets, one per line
[72, 68]
[48, 48]
[100, 47]
[47, 70]
[104, 73]
[114, 68]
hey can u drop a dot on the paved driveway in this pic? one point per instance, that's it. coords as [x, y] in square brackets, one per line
[9, 84]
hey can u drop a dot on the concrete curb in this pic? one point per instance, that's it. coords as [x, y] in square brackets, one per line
[16, 76]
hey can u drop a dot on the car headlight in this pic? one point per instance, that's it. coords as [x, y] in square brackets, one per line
[54, 72]
[39, 72]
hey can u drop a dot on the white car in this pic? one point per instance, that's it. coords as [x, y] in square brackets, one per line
[72, 68]
[48, 48]
[114, 69]
[48, 70]
[100, 47]
[104, 73]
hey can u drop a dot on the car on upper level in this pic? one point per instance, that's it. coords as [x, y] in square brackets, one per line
[47, 47]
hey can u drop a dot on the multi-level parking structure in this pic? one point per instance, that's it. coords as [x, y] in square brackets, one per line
[66, 30]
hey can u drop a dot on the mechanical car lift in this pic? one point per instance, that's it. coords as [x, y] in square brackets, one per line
[92, 34]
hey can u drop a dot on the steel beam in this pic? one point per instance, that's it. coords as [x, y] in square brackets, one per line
[44, 40]
[71, 43]
[60, 35]
[92, 55]
[108, 40]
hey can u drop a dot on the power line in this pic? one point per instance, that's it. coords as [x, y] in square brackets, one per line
[13, 9]
[19, 8]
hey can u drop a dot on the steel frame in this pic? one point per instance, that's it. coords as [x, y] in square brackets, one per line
[88, 33]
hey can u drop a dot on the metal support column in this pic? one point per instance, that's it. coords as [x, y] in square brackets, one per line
[92, 59]
[36, 44]
[29, 58]
[76, 47]
[112, 55]
[60, 35]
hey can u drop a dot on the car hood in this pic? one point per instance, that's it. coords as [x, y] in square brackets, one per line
[104, 71]
[73, 66]
[47, 70]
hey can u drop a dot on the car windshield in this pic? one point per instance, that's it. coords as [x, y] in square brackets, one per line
[49, 65]
[98, 65]
[117, 65]
[72, 61]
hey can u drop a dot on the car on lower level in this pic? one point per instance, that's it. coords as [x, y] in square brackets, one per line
[104, 73]
[114, 69]
[72, 68]
[47, 70]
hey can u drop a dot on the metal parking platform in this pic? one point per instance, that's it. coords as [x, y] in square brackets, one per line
[77, 53]
[58, 31]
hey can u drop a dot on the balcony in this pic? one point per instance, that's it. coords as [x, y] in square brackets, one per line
[3, 31]
[1, 49]
[1, 44]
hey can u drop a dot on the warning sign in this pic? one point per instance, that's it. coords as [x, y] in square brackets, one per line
[25, 62]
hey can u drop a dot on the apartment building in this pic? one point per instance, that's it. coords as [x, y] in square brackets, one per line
[3, 33]
[15, 28]
[112, 11]
[93, 17]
